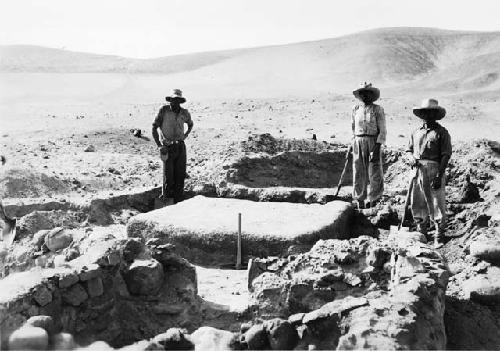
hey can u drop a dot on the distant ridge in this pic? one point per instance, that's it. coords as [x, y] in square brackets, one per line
[391, 56]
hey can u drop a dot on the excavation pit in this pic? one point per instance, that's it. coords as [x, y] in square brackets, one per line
[293, 169]
[204, 230]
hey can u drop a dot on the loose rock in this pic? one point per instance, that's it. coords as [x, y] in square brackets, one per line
[144, 277]
[256, 337]
[281, 334]
[174, 339]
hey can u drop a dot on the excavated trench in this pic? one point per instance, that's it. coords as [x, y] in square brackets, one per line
[122, 285]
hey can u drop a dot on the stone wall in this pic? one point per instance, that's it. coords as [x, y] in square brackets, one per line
[120, 292]
[355, 294]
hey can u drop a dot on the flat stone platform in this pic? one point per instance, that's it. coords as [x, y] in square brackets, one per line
[204, 230]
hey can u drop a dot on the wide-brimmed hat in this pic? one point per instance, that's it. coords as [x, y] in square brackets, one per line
[176, 94]
[430, 110]
[367, 87]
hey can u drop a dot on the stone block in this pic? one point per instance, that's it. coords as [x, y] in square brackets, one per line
[42, 295]
[95, 287]
[89, 272]
[67, 279]
[75, 295]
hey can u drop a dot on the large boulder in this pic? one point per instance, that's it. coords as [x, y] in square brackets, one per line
[256, 337]
[57, 239]
[144, 277]
[29, 338]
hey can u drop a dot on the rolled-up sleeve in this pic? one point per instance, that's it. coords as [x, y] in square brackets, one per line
[159, 119]
[381, 126]
[445, 143]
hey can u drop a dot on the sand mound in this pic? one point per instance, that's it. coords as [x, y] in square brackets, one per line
[22, 182]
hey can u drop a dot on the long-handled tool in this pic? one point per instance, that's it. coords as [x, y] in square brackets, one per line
[408, 195]
[348, 153]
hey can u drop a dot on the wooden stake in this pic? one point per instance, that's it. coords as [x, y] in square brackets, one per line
[238, 254]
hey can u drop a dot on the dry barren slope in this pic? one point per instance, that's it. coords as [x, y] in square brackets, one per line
[390, 55]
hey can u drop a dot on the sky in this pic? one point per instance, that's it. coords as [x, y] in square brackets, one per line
[154, 28]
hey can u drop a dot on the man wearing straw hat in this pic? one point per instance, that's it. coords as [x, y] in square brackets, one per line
[170, 120]
[430, 150]
[369, 133]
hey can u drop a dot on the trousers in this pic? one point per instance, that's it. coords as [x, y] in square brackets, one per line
[426, 202]
[365, 173]
[174, 172]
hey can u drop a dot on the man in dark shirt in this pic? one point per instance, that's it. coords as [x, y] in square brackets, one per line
[170, 120]
[430, 150]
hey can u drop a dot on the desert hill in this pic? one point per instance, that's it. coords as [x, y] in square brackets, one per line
[391, 56]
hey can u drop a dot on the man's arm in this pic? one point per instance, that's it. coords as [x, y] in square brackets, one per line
[445, 146]
[190, 124]
[382, 133]
[157, 124]
[446, 151]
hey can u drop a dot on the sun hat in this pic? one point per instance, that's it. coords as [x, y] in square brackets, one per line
[430, 110]
[367, 87]
[176, 94]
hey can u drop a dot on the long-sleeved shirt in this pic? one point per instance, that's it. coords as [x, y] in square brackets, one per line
[369, 120]
[171, 124]
[428, 143]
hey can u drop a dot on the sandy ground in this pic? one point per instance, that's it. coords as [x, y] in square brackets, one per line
[52, 138]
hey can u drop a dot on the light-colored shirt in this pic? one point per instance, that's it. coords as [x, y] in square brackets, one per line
[430, 143]
[171, 124]
[369, 120]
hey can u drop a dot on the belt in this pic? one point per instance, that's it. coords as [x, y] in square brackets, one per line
[167, 143]
[366, 135]
[428, 161]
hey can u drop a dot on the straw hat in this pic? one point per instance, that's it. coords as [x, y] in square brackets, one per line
[176, 94]
[430, 110]
[367, 87]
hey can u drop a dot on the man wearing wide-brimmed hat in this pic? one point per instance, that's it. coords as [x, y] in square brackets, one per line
[170, 120]
[430, 150]
[369, 134]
